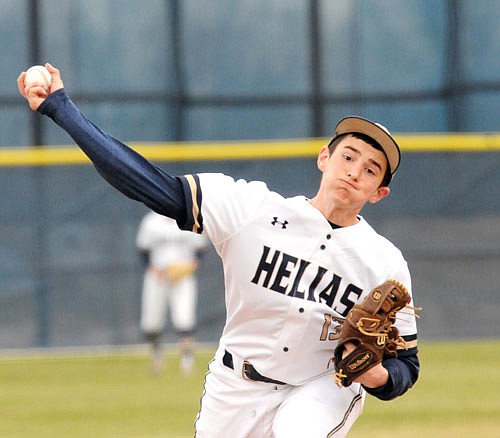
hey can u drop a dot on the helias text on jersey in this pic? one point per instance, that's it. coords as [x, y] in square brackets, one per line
[286, 275]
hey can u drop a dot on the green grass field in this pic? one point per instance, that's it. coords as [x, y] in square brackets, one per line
[115, 395]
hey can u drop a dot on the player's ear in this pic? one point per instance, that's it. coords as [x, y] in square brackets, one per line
[379, 194]
[323, 157]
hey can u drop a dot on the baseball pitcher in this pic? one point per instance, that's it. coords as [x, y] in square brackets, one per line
[319, 305]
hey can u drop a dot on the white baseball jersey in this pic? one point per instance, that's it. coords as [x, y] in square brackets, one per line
[165, 242]
[287, 273]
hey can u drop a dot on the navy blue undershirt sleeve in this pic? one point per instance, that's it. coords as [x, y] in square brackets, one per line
[121, 166]
[403, 373]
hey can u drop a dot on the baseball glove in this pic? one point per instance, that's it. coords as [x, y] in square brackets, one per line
[179, 270]
[369, 327]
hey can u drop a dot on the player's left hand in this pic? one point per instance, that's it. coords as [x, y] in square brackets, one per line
[36, 94]
[372, 378]
[369, 331]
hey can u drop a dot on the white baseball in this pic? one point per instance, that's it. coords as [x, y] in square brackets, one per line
[38, 75]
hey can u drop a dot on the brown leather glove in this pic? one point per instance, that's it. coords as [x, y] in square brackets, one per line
[368, 326]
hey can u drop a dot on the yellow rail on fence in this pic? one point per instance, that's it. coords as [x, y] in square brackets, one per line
[244, 150]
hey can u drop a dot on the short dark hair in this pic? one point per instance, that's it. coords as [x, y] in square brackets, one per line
[367, 139]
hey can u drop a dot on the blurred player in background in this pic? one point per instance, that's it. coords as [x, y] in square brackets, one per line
[171, 258]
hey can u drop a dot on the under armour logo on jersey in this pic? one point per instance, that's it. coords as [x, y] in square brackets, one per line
[276, 221]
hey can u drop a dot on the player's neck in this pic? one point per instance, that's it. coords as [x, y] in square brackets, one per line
[342, 217]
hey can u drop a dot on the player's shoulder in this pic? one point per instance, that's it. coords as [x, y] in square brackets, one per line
[156, 223]
[228, 182]
[381, 241]
[224, 187]
[148, 219]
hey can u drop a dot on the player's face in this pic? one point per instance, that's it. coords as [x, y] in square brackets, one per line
[352, 174]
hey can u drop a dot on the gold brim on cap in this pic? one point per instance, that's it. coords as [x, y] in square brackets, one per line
[355, 124]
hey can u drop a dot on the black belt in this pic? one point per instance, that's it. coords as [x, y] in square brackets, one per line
[249, 372]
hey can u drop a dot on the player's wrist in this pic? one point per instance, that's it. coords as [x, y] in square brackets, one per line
[375, 377]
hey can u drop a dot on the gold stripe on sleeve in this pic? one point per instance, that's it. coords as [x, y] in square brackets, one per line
[195, 208]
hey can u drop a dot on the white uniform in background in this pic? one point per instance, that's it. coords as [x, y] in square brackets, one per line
[170, 282]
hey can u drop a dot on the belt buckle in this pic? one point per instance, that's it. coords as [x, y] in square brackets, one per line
[244, 371]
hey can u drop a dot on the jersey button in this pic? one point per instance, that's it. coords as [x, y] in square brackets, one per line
[322, 247]
[301, 310]
[328, 236]
[285, 349]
